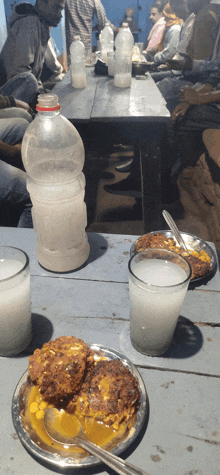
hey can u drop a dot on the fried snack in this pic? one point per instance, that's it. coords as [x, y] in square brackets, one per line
[199, 261]
[60, 367]
[111, 395]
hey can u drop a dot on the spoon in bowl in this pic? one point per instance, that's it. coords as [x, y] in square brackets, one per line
[118, 464]
[169, 220]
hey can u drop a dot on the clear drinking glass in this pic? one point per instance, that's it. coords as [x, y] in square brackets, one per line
[158, 281]
[15, 301]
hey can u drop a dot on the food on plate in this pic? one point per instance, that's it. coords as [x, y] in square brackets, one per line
[110, 395]
[200, 261]
[84, 385]
[59, 368]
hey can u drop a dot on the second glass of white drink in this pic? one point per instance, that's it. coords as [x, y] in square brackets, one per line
[158, 281]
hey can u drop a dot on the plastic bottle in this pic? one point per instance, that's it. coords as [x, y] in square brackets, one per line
[53, 157]
[106, 38]
[123, 56]
[77, 66]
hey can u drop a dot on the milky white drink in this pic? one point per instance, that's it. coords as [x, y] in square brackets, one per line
[155, 303]
[15, 307]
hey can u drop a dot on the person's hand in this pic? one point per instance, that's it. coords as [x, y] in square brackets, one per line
[24, 105]
[180, 110]
[163, 67]
[190, 95]
[18, 145]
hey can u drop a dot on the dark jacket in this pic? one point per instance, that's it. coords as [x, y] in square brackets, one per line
[26, 44]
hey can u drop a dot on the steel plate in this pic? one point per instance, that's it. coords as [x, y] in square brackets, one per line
[194, 243]
[58, 459]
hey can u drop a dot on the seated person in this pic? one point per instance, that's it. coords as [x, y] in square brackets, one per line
[14, 120]
[158, 21]
[25, 48]
[170, 38]
[180, 58]
[170, 87]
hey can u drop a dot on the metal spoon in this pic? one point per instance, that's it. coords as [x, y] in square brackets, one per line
[118, 464]
[168, 218]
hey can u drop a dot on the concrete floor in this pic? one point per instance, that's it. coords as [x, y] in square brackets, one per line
[119, 214]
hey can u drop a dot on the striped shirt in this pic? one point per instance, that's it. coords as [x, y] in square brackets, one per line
[79, 16]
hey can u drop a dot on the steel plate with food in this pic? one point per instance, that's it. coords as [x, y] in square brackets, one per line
[92, 384]
[200, 255]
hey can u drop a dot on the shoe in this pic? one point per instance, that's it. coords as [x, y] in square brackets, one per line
[127, 187]
[124, 167]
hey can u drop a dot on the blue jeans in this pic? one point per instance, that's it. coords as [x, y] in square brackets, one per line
[12, 180]
[24, 87]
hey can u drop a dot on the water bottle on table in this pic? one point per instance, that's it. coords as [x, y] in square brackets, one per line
[53, 157]
[106, 39]
[77, 66]
[123, 56]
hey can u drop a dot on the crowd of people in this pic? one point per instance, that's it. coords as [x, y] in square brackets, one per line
[182, 50]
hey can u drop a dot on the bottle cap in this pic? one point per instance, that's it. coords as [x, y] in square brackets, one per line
[47, 102]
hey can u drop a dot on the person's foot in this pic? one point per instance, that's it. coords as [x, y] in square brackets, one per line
[124, 167]
[127, 187]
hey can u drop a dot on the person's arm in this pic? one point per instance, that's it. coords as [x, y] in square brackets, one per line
[203, 95]
[52, 62]
[11, 154]
[192, 96]
[171, 39]
[9, 101]
[101, 17]
[6, 102]
[24, 48]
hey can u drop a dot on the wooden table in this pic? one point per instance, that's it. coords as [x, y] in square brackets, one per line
[183, 431]
[140, 114]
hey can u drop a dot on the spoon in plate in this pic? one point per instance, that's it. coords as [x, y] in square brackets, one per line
[169, 220]
[119, 465]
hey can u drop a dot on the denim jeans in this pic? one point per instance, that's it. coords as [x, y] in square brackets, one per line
[12, 180]
[24, 87]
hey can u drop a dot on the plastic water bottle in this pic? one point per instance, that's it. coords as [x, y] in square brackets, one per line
[53, 157]
[106, 38]
[77, 66]
[123, 56]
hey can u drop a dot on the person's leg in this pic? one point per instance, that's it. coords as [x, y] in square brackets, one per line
[12, 130]
[12, 180]
[160, 75]
[13, 190]
[24, 87]
[170, 89]
[13, 112]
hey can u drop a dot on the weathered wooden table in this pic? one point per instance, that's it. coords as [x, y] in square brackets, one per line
[140, 114]
[183, 431]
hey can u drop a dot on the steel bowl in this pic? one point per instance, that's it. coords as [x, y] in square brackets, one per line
[195, 244]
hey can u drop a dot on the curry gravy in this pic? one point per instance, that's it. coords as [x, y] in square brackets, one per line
[67, 424]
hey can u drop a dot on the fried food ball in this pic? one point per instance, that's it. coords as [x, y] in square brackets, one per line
[111, 394]
[59, 368]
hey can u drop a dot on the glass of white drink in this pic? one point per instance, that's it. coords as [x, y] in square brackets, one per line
[158, 281]
[15, 301]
